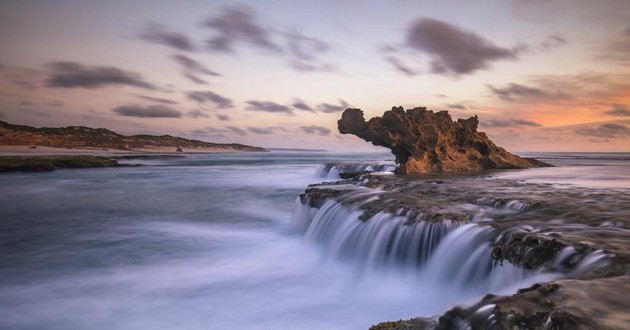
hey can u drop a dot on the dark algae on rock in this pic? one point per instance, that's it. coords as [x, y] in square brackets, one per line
[50, 163]
[424, 141]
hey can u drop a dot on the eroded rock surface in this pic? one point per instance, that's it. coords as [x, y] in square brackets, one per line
[424, 141]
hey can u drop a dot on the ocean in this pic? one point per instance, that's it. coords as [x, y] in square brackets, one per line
[216, 241]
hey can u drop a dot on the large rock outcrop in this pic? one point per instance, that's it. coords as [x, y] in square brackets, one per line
[424, 141]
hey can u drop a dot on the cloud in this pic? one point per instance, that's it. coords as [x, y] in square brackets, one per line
[25, 78]
[156, 99]
[616, 50]
[400, 66]
[305, 52]
[72, 74]
[26, 103]
[605, 131]
[301, 105]
[313, 129]
[514, 92]
[157, 33]
[236, 130]
[456, 106]
[151, 111]
[267, 106]
[621, 110]
[454, 50]
[509, 123]
[192, 68]
[332, 108]
[552, 41]
[54, 103]
[238, 24]
[223, 117]
[219, 101]
[196, 113]
[262, 130]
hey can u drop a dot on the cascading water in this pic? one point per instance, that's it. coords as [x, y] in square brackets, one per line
[333, 170]
[447, 253]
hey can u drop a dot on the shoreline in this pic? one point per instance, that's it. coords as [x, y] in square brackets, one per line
[28, 150]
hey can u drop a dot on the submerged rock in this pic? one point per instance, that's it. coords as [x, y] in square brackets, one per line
[424, 141]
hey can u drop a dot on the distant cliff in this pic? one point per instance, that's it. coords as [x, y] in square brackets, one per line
[424, 141]
[80, 137]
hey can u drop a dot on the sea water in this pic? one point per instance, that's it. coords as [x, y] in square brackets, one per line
[207, 242]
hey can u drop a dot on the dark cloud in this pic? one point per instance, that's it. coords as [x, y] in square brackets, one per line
[301, 105]
[305, 52]
[262, 130]
[267, 106]
[157, 33]
[72, 74]
[621, 110]
[26, 104]
[605, 131]
[454, 50]
[514, 92]
[548, 43]
[552, 41]
[223, 117]
[400, 66]
[196, 113]
[456, 106]
[303, 66]
[509, 123]
[332, 108]
[219, 101]
[191, 68]
[156, 99]
[313, 129]
[236, 130]
[442, 96]
[54, 103]
[238, 25]
[151, 111]
[194, 78]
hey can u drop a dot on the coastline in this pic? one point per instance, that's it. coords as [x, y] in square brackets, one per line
[25, 150]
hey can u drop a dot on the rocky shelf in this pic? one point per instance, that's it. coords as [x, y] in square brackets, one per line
[50, 163]
[533, 226]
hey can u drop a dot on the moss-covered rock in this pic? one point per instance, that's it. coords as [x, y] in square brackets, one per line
[50, 163]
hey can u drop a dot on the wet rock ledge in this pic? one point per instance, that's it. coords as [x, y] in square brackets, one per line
[534, 224]
[50, 163]
[424, 141]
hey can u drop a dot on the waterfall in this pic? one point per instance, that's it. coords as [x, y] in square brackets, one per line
[448, 253]
[333, 170]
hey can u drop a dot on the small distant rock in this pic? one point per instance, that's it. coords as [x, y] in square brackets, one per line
[424, 141]
[179, 149]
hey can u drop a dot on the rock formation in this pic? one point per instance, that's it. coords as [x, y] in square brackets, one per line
[424, 141]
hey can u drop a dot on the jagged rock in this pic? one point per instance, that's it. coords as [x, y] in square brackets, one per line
[424, 141]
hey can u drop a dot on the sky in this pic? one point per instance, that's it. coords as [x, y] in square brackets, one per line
[541, 75]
